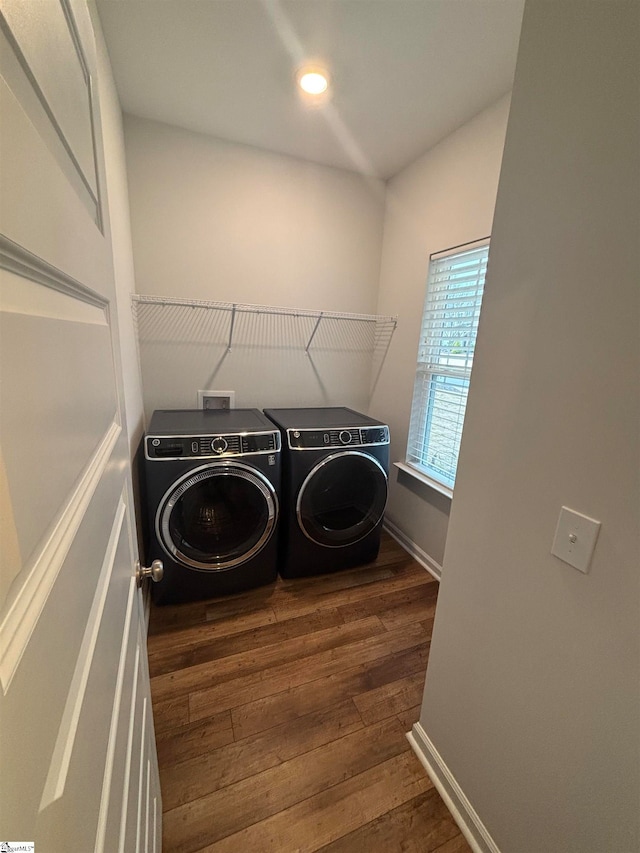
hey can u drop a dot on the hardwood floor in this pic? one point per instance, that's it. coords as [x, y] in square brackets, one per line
[281, 716]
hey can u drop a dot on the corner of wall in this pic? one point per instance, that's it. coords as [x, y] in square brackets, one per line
[444, 198]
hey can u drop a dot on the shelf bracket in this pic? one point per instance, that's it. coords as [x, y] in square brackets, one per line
[315, 329]
[233, 320]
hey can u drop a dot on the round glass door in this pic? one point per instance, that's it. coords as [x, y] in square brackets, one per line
[217, 517]
[342, 499]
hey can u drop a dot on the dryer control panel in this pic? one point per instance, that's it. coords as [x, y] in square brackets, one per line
[210, 446]
[318, 439]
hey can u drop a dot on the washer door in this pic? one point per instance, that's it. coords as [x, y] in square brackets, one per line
[217, 516]
[342, 499]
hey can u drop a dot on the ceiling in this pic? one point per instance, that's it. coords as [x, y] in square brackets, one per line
[405, 73]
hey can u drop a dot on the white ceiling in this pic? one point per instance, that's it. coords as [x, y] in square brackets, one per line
[405, 72]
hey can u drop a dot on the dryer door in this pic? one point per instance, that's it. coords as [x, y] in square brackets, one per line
[342, 499]
[218, 516]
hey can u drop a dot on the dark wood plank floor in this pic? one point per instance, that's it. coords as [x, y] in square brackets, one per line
[281, 716]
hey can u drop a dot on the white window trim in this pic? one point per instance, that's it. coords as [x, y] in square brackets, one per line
[419, 475]
[411, 465]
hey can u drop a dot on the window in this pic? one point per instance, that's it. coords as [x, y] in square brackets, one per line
[445, 357]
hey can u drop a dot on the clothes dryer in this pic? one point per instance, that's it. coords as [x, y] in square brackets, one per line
[212, 484]
[335, 485]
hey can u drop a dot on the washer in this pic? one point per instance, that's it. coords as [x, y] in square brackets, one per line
[212, 483]
[334, 488]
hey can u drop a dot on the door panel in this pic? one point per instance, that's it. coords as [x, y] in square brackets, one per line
[129, 746]
[111, 804]
[38, 199]
[141, 762]
[58, 97]
[63, 366]
[38, 672]
[76, 742]
[63, 88]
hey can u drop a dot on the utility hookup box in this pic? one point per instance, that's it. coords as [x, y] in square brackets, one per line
[216, 399]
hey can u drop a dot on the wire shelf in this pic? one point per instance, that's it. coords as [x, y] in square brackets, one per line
[366, 331]
[185, 336]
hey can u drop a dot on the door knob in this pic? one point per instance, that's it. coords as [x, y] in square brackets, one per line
[155, 571]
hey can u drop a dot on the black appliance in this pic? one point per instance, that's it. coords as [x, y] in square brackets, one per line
[212, 483]
[334, 488]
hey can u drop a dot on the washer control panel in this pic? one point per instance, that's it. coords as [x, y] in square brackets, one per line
[210, 446]
[317, 439]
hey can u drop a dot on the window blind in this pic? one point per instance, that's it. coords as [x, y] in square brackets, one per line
[445, 356]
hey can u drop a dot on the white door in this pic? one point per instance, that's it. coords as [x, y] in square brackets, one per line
[77, 752]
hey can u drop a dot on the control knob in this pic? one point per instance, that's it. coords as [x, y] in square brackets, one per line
[219, 445]
[345, 436]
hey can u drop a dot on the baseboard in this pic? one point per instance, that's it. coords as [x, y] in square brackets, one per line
[443, 779]
[416, 552]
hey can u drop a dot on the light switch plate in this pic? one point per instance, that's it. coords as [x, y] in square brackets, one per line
[575, 538]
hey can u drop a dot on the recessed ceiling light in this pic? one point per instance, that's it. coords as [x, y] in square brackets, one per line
[313, 80]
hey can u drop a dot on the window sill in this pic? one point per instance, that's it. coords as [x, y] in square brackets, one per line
[424, 478]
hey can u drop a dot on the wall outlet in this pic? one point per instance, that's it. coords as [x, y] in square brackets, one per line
[216, 399]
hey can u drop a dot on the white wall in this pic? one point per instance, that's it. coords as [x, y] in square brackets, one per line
[222, 221]
[532, 695]
[447, 197]
[214, 220]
